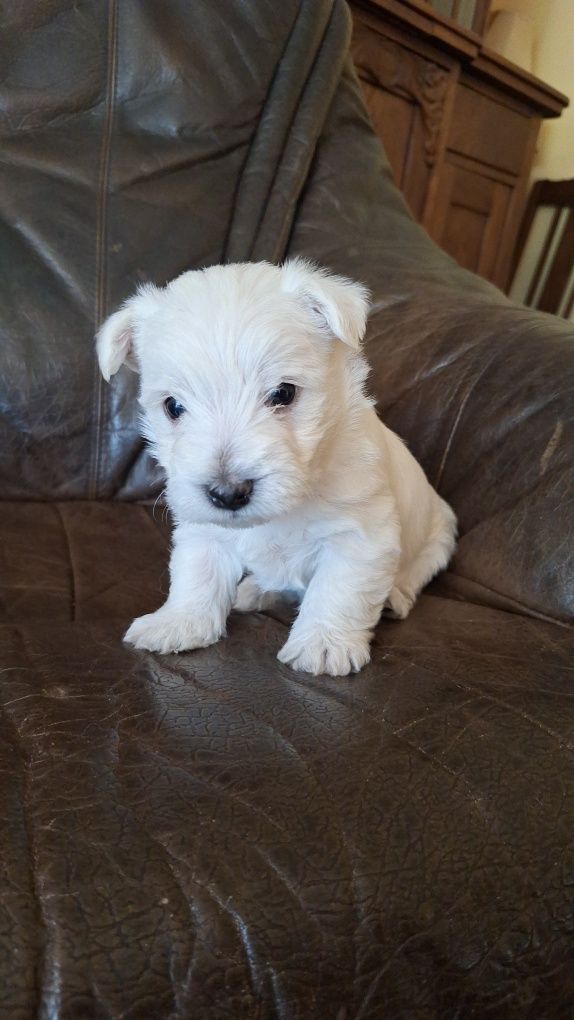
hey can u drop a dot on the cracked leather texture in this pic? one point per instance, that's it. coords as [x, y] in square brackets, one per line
[212, 835]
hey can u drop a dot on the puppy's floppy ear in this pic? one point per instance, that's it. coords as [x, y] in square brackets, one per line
[338, 306]
[115, 338]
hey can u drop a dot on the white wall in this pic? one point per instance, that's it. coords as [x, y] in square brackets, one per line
[552, 60]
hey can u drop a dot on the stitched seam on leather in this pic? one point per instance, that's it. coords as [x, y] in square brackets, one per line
[283, 240]
[288, 134]
[71, 562]
[99, 401]
[256, 134]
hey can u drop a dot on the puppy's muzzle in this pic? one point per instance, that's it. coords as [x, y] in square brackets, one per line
[230, 495]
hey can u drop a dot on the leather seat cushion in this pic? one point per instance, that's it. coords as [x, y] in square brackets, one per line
[199, 833]
[81, 560]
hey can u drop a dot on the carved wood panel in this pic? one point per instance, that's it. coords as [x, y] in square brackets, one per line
[458, 124]
[386, 65]
[405, 94]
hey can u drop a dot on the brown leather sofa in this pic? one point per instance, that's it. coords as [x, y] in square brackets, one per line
[212, 835]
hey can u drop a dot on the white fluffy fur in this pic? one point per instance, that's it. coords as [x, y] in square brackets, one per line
[341, 512]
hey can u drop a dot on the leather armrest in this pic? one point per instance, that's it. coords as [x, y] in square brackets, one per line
[481, 390]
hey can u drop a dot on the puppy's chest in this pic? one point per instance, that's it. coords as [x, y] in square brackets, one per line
[281, 557]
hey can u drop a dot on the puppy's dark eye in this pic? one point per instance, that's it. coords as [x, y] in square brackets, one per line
[283, 395]
[173, 408]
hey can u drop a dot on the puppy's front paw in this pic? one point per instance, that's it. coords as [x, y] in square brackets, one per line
[336, 654]
[170, 630]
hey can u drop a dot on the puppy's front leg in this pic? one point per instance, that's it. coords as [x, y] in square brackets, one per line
[342, 604]
[204, 573]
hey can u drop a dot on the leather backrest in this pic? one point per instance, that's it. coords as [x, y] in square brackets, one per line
[139, 139]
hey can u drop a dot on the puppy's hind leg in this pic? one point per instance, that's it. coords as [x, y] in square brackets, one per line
[251, 599]
[433, 557]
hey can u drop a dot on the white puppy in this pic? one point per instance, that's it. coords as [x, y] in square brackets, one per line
[280, 476]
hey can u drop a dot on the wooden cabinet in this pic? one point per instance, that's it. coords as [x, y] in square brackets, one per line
[459, 125]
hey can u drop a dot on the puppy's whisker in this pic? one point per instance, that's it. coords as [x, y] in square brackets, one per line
[156, 501]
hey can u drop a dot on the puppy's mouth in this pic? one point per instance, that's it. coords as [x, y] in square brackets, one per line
[246, 517]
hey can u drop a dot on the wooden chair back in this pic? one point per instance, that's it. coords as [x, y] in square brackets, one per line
[543, 275]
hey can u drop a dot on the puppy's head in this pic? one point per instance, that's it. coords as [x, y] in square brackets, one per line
[244, 371]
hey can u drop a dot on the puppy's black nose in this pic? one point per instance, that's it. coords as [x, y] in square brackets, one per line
[230, 495]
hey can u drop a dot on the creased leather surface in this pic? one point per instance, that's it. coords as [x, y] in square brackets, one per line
[211, 835]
